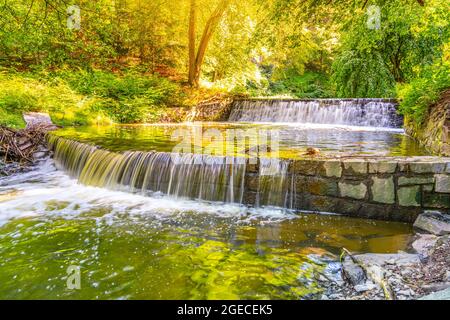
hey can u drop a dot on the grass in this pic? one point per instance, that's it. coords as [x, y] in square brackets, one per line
[81, 97]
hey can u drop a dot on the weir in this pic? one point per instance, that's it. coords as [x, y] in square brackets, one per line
[194, 176]
[389, 188]
[372, 186]
[355, 112]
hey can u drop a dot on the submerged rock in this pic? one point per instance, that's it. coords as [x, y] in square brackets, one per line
[433, 222]
[9, 194]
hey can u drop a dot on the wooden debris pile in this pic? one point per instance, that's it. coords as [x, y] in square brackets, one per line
[21, 145]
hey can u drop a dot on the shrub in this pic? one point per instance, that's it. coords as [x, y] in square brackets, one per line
[293, 84]
[307, 85]
[24, 93]
[416, 96]
[126, 99]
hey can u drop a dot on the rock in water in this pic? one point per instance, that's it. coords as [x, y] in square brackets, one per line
[433, 222]
[312, 152]
[37, 118]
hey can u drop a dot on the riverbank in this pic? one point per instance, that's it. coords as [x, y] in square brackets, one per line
[434, 131]
[19, 149]
[77, 97]
[423, 273]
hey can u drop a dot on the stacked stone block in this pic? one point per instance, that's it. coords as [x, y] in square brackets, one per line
[381, 188]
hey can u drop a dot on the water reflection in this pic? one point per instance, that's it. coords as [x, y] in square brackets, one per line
[293, 139]
[134, 247]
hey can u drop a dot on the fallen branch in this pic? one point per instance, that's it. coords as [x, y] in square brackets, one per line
[370, 273]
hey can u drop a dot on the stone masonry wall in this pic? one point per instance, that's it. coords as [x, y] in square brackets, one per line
[434, 134]
[211, 111]
[386, 188]
[218, 109]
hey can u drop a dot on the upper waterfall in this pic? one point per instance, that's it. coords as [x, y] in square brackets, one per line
[356, 112]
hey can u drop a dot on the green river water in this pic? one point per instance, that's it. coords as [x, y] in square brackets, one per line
[130, 246]
[292, 139]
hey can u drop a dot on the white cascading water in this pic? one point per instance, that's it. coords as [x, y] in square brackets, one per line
[275, 184]
[355, 112]
[187, 175]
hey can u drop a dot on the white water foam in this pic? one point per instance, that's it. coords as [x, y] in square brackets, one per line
[356, 112]
[30, 194]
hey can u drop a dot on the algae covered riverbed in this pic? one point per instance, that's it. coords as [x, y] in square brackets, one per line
[129, 246]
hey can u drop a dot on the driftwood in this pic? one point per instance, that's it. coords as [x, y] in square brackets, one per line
[21, 145]
[371, 274]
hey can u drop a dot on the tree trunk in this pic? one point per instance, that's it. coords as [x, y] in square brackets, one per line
[195, 64]
[192, 19]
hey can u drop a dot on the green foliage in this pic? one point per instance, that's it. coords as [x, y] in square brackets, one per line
[291, 84]
[361, 75]
[35, 33]
[78, 98]
[24, 93]
[229, 62]
[308, 85]
[372, 60]
[117, 65]
[416, 96]
[13, 120]
[125, 99]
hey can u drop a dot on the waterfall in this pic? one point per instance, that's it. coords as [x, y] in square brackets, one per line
[356, 112]
[193, 176]
[273, 183]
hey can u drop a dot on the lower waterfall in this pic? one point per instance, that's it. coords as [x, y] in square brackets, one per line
[193, 176]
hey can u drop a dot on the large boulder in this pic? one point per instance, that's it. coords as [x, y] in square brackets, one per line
[381, 259]
[433, 222]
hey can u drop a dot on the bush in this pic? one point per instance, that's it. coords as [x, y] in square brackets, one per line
[307, 85]
[13, 120]
[21, 93]
[362, 75]
[126, 99]
[416, 96]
